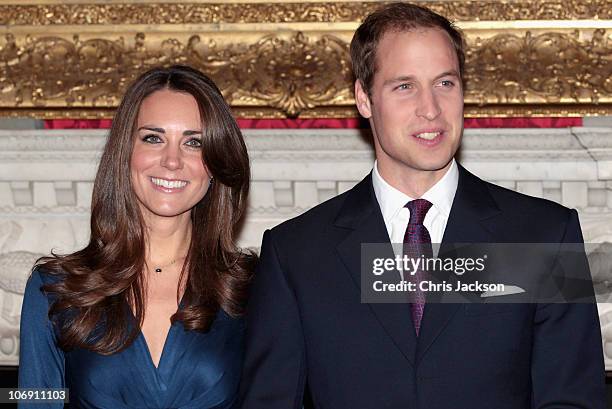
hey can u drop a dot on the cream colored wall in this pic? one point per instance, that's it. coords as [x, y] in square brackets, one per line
[46, 180]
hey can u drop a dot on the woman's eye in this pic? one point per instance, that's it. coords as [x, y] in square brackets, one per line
[151, 139]
[194, 143]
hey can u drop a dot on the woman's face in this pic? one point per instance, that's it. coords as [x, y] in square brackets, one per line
[167, 171]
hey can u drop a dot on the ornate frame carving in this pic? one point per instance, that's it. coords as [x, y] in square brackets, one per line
[278, 59]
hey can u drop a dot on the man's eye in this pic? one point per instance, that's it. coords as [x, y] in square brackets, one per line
[194, 143]
[404, 86]
[447, 83]
[151, 138]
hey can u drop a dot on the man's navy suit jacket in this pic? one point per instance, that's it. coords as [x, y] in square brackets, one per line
[308, 331]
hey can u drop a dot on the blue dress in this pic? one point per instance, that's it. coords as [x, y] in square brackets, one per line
[196, 370]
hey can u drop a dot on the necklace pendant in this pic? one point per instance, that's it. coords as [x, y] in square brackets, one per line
[158, 270]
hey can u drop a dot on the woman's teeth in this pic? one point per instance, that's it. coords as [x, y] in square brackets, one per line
[169, 184]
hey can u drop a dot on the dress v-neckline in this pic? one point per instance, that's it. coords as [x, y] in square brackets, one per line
[145, 344]
[163, 352]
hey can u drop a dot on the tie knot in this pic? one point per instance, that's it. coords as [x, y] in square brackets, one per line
[418, 209]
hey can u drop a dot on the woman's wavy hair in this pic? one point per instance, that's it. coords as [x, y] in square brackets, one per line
[100, 283]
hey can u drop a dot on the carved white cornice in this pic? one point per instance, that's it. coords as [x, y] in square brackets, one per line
[597, 142]
[46, 177]
[283, 143]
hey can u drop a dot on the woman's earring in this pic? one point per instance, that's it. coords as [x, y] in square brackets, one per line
[211, 180]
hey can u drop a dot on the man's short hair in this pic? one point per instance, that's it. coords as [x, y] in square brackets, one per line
[396, 17]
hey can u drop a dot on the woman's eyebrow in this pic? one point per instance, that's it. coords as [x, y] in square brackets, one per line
[150, 128]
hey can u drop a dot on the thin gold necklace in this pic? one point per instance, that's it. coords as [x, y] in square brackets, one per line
[159, 269]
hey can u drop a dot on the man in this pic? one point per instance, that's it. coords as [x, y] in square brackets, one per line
[308, 332]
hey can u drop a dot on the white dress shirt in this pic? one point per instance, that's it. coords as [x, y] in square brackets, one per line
[396, 216]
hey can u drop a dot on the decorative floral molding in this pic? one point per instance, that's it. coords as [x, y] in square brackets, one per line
[275, 60]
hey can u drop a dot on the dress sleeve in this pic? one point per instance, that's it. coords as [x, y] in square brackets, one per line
[41, 361]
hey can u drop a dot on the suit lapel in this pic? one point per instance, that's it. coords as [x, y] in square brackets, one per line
[362, 216]
[473, 208]
[471, 220]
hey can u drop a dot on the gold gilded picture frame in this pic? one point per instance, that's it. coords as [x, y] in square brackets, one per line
[73, 59]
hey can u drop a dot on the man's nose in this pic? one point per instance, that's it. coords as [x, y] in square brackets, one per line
[428, 106]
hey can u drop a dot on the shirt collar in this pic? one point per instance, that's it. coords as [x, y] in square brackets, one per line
[441, 195]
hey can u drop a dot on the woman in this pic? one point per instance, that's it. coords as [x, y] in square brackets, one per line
[147, 314]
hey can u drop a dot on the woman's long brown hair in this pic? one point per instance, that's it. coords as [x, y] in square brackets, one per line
[98, 284]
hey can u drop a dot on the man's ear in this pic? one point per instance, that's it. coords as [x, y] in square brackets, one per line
[362, 100]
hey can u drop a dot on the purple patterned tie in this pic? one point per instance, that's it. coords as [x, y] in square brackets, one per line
[417, 243]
